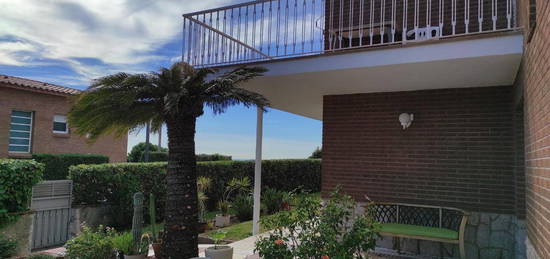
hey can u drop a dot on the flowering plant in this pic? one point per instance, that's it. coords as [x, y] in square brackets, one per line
[315, 230]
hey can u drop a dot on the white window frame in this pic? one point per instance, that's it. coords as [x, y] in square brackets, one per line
[66, 124]
[30, 132]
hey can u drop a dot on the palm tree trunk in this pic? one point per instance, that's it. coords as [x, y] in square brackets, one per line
[181, 219]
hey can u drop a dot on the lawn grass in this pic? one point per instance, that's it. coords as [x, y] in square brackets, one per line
[238, 231]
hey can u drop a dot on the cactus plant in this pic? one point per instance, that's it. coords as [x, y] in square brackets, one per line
[153, 216]
[137, 221]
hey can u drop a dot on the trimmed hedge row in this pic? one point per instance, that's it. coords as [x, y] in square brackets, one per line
[57, 165]
[17, 177]
[114, 184]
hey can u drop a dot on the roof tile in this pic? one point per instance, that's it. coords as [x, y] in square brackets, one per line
[37, 85]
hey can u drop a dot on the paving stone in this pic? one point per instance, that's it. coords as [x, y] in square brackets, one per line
[483, 235]
[473, 219]
[500, 222]
[470, 234]
[472, 252]
[485, 218]
[501, 239]
[490, 253]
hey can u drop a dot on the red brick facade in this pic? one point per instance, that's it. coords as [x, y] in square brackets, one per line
[534, 78]
[459, 151]
[45, 106]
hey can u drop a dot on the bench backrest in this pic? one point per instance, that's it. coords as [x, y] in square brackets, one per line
[420, 215]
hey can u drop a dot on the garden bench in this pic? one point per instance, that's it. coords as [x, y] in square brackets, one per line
[423, 222]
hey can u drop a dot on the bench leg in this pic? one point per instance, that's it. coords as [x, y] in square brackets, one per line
[462, 250]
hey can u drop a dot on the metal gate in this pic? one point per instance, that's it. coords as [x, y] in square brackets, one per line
[51, 201]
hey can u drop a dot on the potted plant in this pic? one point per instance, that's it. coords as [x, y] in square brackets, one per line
[156, 239]
[217, 251]
[223, 219]
[125, 245]
[203, 184]
[234, 187]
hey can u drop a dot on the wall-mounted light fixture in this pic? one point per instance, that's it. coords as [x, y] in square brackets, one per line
[406, 119]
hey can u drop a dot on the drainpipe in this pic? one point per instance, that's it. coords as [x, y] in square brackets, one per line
[257, 172]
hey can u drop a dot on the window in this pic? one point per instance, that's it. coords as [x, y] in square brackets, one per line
[20, 132]
[60, 124]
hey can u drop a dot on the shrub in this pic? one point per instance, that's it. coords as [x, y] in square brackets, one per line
[90, 244]
[317, 153]
[243, 206]
[16, 180]
[158, 156]
[313, 230]
[115, 183]
[212, 157]
[57, 165]
[8, 247]
[272, 200]
[136, 154]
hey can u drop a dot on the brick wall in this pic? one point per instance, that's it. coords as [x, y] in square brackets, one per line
[459, 151]
[45, 106]
[534, 78]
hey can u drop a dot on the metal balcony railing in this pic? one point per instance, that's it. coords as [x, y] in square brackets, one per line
[276, 29]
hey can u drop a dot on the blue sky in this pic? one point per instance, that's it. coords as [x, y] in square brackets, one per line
[70, 42]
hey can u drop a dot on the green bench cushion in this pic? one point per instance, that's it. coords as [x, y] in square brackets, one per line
[403, 229]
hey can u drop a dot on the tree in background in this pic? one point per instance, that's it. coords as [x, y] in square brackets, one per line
[317, 153]
[136, 154]
[175, 96]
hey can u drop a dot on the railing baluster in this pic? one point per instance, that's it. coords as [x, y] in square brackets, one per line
[203, 38]
[304, 26]
[313, 25]
[286, 25]
[441, 17]
[350, 21]
[253, 28]
[295, 31]
[428, 19]
[416, 14]
[508, 13]
[393, 19]
[371, 31]
[210, 41]
[494, 7]
[183, 40]
[480, 15]
[453, 15]
[262, 13]
[278, 25]
[361, 21]
[270, 27]
[405, 17]
[382, 20]
[330, 31]
[341, 24]
[467, 16]
[246, 30]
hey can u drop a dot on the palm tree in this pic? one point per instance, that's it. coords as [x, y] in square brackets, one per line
[122, 102]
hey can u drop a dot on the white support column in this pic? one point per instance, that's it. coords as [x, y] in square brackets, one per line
[258, 172]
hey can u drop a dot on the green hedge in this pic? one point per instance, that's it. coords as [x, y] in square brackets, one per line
[212, 157]
[114, 184]
[16, 180]
[57, 165]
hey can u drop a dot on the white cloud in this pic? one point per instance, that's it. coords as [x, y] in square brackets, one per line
[120, 34]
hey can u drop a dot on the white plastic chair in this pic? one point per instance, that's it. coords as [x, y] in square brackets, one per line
[425, 33]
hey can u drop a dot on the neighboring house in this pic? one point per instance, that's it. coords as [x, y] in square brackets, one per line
[475, 74]
[33, 119]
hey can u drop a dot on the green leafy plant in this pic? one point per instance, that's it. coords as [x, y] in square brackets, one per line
[57, 165]
[92, 244]
[273, 200]
[203, 185]
[125, 244]
[317, 153]
[223, 206]
[218, 237]
[8, 247]
[153, 217]
[243, 205]
[313, 230]
[16, 180]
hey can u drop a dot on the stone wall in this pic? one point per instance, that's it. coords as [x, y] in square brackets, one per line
[21, 230]
[488, 236]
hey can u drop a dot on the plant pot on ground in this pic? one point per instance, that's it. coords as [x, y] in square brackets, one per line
[217, 251]
[223, 219]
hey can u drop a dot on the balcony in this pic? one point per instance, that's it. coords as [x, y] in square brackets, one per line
[314, 48]
[267, 30]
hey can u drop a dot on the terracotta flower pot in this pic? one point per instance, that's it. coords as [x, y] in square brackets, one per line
[219, 252]
[156, 249]
[203, 226]
[143, 256]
